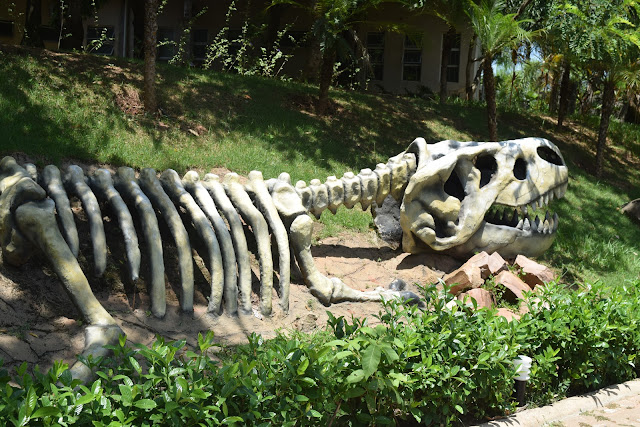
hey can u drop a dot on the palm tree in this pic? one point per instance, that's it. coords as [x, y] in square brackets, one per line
[496, 31]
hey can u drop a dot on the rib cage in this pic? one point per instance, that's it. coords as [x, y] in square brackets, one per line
[217, 211]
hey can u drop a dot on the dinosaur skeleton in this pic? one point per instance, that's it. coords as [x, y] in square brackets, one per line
[447, 192]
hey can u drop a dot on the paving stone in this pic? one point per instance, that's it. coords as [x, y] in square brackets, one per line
[17, 349]
[46, 343]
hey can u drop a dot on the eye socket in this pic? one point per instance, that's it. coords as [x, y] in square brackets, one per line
[453, 186]
[549, 155]
[487, 166]
[520, 169]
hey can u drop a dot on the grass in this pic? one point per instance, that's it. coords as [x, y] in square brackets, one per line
[57, 108]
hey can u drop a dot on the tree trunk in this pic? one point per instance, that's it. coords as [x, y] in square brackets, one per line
[150, 42]
[75, 36]
[447, 44]
[553, 95]
[563, 103]
[490, 96]
[326, 75]
[33, 21]
[608, 98]
[469, 80]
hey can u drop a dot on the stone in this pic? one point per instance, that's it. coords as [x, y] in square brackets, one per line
[483, 297]
[480, 260]
[466, 277]
[387, 220]
[496, 263]
[515, 287]
[534, 274]
[632, 210]
[507, 314]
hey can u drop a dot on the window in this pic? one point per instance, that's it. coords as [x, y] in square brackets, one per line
[100, 40]
[200, 42]
[412, 59]
[166, 43]
[453, 69]
[6, 28]
[375, 50]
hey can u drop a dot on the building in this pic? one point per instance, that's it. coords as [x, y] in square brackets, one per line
[407, 62]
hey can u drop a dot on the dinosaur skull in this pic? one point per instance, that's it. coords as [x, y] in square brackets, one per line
[470, 196]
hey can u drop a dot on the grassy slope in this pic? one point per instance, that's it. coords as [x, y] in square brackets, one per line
[56, 107]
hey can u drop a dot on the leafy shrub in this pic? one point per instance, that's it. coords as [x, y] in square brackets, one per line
[433, 366]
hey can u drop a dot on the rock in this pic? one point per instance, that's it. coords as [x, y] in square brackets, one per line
[17, 349]
[534, 274]
[398, 285]
[507, 314]
[481, 261]
[466, 277]
[496, 263]
[513, 284]
[483, 297]
[632, 210]
[387, 221]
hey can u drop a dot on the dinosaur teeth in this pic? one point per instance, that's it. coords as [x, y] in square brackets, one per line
[556, 220]
[520, 225]
[505, 217]
[514, 218]
[526, 226]
[545, 227]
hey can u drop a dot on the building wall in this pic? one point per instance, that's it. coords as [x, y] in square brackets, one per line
[123, 19]
[12, 18]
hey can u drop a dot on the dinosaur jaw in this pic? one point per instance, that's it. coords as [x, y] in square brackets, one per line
[528, 229]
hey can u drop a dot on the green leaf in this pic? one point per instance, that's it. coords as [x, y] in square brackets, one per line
[31, 400]
[302, 367]
[232, 420]
[45, 411]
[89, 397]
[355, 376]
[371, 359]
[343, 354]
[336, 343]
[354, 392]
[135, 364]
[459, 409]
[145, 404]
[390, 353]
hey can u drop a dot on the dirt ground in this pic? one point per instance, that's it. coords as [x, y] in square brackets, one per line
[39, 324]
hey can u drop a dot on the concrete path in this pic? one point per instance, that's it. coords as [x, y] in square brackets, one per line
[617, 405]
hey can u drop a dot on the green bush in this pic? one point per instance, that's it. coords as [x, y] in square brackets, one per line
[434, 366]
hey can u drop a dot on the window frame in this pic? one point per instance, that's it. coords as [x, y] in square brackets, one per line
[376, 66]
[453, 67]
[409, 46]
